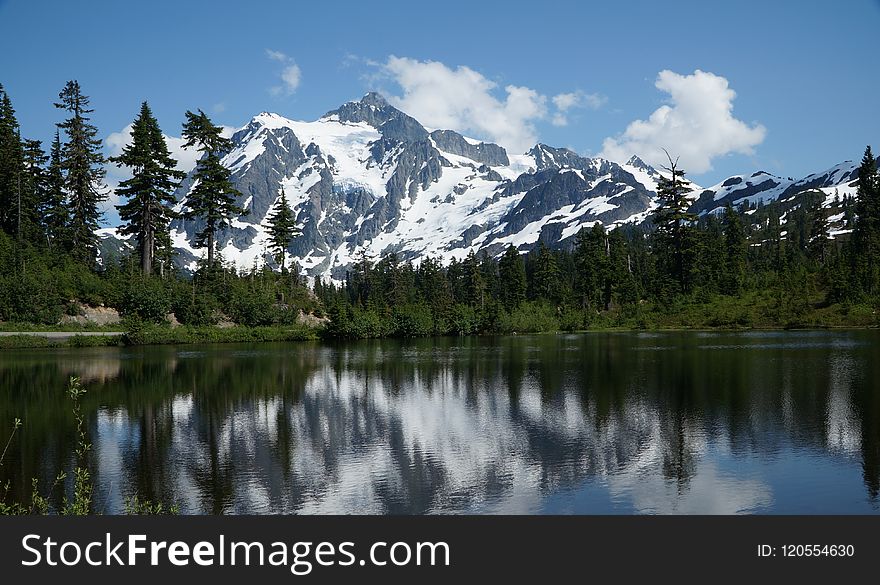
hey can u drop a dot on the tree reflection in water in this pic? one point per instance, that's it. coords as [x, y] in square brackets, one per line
[597, 423]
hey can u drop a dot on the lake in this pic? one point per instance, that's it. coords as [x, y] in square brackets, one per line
[600, 423]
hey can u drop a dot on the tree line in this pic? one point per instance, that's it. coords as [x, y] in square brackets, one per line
[51, 208]
[760, 265]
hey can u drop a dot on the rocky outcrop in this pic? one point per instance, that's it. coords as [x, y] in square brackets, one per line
[482, 152]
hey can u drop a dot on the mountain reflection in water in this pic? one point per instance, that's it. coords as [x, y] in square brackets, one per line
[718, 423]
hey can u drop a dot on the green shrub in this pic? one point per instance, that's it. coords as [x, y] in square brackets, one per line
[252, 307]
[147, 299]
[531, 317]
[413, 321]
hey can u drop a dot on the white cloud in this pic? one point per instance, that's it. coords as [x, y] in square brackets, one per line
[291, 74]
[464, 100]
[697, 125]
[276, 55]
[565, 102]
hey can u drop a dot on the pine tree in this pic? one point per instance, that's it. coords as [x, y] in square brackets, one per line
[546, 277]
[866, 238]
[212, 200]
[489, 272]
[360, 280]
[512, 277]
[10, 165]
[819, 246]
[674, 222]
[433, 287]
[53, 209]
[82, 163]
[592, 256]
[736, 245]
[282, 229]
[148, 211]
[474, 283]
[33, 191]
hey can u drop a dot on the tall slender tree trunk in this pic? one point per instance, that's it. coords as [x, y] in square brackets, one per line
[147, 253]
[210, 250]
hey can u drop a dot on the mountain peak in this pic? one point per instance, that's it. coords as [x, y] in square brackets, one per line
[375, 99]
[638, 163]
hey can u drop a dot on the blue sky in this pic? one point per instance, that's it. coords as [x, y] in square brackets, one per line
[573, 74]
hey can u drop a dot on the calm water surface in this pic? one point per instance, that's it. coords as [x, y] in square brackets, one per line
[717, 423]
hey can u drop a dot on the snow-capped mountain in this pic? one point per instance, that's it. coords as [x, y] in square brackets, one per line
[763, 187]
[367, 177]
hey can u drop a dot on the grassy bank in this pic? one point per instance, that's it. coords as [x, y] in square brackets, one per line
[755, 310]
[7, 326]
[749, 311]
[163, 334]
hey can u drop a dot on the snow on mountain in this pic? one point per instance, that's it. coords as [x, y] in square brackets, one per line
[368, 178]
[762, 187]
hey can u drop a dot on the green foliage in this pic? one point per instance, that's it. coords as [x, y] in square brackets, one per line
[866, 238]
[83, 488]
[11, 164]
[83, 166]
[165, 334]
[282, 228]
[530, 317]
[212, 200]
[150, 191]
[512, 279]
[253, 307]
[674, 236]
[197, 310]
[147, 299]
[413, 321]
[81, 503]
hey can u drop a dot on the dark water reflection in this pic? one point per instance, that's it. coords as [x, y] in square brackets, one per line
[781, 422]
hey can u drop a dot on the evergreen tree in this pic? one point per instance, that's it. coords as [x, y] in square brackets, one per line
[512, 277]
[33, 191]
[474, 283]
[212, 200]
[714, 252]
[82, 164]
[148, 211]
[282, 229]
[622, 270]
[434, 290]
[592, 257]
[736, 248]
[866, 238]
[489, 272]
[819, 246]
[674, 223]
[53, 208]
[10, 165]
[360, 280]
[546, 276]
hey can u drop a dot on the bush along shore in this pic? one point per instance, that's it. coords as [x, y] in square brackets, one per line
[153, 334]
